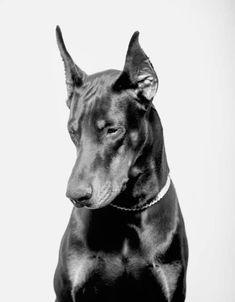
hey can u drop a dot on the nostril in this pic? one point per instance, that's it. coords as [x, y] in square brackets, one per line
[79, 195]
[80, 200]
[84, 197]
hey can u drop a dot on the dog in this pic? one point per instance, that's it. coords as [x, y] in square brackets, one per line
[126, 238]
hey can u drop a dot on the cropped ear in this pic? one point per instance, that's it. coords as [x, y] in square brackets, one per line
[138, 72]
[73, 74]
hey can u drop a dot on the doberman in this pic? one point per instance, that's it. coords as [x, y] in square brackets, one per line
[126, 239]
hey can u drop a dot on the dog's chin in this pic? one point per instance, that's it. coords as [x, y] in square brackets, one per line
[95, 203]
[100, 203]
[91, 204]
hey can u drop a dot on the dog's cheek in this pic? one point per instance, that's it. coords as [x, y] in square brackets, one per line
[122, 160]
[134, 138]
[119, 168]
[135, 171]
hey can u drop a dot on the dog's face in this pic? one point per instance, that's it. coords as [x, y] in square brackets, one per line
[107, 128]
[107, 124]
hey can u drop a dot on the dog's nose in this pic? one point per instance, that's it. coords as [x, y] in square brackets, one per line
[79, 195]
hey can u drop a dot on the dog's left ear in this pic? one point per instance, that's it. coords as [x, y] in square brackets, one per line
[138, 72]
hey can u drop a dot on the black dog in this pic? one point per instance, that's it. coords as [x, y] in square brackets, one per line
[126, 239]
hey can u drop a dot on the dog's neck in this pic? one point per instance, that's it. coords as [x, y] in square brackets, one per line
[149, 173]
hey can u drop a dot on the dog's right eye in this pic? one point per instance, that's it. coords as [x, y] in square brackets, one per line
[112, 130]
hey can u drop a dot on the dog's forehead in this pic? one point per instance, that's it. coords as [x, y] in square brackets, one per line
[107, 77]
[97, 86]
[96, 100]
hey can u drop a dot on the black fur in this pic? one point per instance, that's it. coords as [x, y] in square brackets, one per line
[109, 254]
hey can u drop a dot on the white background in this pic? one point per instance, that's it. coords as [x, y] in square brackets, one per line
[192, 46]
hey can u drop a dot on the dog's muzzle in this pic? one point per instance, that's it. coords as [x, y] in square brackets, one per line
[79, 196]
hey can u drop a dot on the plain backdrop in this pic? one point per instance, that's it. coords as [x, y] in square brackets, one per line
[192, 46]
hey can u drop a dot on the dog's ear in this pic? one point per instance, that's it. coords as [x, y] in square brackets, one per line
[73, 74]
[138, 72]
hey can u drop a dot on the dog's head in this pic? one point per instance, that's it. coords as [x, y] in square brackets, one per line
[107, 124]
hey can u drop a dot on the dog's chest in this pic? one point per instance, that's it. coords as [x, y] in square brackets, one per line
[132, 268]
[103, 267]
[99, 277]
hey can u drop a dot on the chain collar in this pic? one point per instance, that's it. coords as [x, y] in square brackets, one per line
[160, 195]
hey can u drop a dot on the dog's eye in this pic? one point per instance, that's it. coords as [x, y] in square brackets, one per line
[112, 130]
[115, 131]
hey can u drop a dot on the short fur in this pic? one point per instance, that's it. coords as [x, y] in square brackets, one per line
[109, 254]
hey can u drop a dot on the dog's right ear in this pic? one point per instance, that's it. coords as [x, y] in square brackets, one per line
[73, 74]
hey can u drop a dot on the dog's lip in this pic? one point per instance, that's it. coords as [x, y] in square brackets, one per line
[106, 198]
[111, 194]
[77, 204]
[102, 202]
[123, 188]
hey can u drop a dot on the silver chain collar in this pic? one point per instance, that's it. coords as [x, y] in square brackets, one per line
[160, 195]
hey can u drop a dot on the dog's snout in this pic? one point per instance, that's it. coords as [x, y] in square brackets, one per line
[79, 194]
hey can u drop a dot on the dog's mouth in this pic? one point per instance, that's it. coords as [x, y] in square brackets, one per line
[102, 199]
[77, 203]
